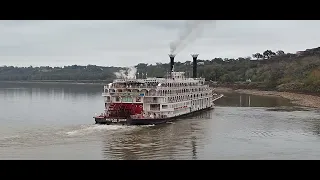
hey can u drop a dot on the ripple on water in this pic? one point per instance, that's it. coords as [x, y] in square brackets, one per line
[51, 135]
[88, 129]
[242, 133]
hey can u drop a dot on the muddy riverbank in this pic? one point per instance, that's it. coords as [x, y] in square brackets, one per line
[299, 99]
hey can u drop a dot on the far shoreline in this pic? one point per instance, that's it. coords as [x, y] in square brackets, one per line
[306, 100]
[60, 82]
[295, 98]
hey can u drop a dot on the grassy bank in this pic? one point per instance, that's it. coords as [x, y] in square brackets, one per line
[296, 98]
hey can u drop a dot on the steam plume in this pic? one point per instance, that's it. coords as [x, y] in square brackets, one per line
[126, 73]
[190, 33]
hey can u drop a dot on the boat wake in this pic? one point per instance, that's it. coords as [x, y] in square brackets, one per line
[61, 136]
[89, 129]
[9, 137]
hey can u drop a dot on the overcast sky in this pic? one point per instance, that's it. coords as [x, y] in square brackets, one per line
[126, 43]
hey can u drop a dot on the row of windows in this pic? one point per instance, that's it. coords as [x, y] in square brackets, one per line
[154, 83]
[187, 97]
[155, 100]
[196, 102]
[160, 91]
[179, 105]
[181, 84]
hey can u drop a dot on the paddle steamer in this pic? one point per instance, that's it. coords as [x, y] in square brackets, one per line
[145, 101]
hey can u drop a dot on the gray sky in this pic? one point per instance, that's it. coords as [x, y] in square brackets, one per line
[126, 43]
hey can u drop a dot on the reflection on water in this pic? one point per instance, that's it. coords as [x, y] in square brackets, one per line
[47, 104]
[54, 121]
[246, 100]
[54, 91]
[169, 141]
[316, 127]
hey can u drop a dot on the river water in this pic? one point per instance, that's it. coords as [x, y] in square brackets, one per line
[55, 121]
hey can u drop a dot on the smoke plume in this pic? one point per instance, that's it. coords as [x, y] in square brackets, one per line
[189, 33]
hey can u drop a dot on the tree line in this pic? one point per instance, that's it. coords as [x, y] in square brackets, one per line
[66, 73]
[268, 70]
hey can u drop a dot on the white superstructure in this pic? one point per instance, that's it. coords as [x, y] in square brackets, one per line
[157, 98]
[161, 97]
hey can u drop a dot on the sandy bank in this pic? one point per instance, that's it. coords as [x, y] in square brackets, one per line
[299, 99]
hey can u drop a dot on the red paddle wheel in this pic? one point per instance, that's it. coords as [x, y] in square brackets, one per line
[124, 110]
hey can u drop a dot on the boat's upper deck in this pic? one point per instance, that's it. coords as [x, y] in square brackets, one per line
[174, 85]
[175, 80]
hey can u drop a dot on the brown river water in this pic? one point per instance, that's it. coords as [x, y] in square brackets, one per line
[54, 121]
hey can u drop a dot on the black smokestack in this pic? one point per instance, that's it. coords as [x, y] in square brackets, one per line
[195, 63]
[171, 62]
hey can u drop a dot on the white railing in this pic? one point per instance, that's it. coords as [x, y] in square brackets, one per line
[123, 94]
[175, 94]
[150, 101]
[157, 87]
[154, 94]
